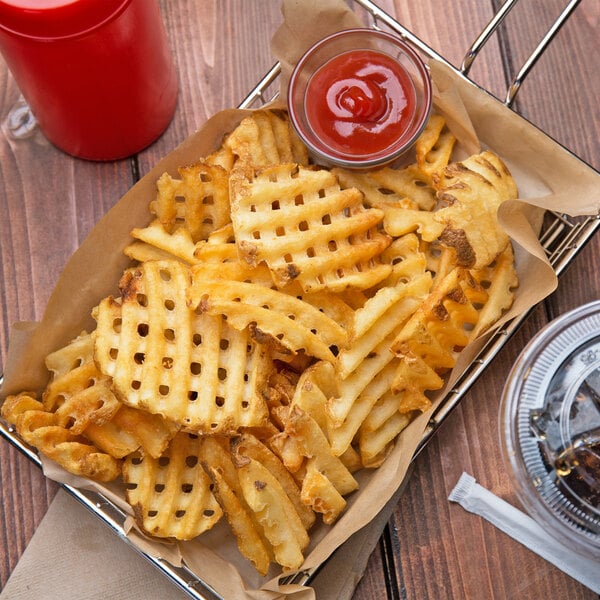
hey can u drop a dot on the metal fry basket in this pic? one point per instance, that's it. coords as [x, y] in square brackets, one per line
[562, 238]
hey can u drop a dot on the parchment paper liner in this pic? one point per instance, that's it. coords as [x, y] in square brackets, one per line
[548, 177]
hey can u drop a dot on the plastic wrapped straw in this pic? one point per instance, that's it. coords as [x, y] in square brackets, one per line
[480, 501]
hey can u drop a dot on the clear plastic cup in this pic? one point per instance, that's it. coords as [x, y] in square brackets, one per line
[550, 428]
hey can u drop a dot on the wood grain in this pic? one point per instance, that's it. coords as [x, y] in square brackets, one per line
[431, 548]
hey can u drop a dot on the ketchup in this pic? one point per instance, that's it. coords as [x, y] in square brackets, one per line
[360, 102]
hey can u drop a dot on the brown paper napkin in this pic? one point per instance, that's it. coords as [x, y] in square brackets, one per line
[73, 555]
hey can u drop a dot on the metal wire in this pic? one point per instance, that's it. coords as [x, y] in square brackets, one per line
[517, 82]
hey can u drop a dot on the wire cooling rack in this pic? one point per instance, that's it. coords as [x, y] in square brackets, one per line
[562, 238]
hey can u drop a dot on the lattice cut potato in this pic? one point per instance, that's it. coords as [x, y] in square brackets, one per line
[499, 280]
[307, 229]
[41, 429]
[81, 401]
[409, 186]
[428, 344]
[197, 201]
[265, 138]
[272, 317]
[327, 480]
[275, 512]
[163, 357]
[154, 242]
[171, 495]
[433, 148]
[227, 489]
[469, 195]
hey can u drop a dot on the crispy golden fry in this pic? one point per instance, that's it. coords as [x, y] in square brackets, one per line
[218, 464]
[240, 520]
[275, 512]
[314, 445]
[82, 401]
[317, 384]
[165, 358]
[283, 321]
[230, 269]
[40, 429]
[429, 342]
[471, 191]
[434, 147]
[365, 367]
[382, 314]
[380, 428]
[319, 492]
[406, 258]
[440, 260]
[171, 495]
[154, 242]
[359, 393]
[499, 279]
[307, 229]
[78, 392]
[266, 138]
[197, 202]
[287, 449]
[139, 251]
[248, 447]
[408, 188]
[151, 433]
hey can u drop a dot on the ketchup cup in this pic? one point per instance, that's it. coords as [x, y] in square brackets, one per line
[359, 98]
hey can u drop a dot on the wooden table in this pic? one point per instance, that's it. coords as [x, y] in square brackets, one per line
[50, 201]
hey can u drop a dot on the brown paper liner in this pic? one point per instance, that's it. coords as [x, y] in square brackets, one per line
[548, 177]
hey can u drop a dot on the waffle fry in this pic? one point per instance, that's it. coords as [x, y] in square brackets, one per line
[198, 201]
[433, 148]
[266, 138]
[313, 444]
[248, 447]
[278, 319]
[171, 495]
[471, 191]
[83, 401]
[78, 392]
[40, 429]
[499, 279]
[429, 342]
[380, 428]
[194, 369]
[246, 529]
[154, 242]
[307, 229]
[408, 188]
[275, 512]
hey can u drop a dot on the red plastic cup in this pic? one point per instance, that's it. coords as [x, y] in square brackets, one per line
[97, 74]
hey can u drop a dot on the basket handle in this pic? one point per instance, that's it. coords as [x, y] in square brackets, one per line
[529, 63]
